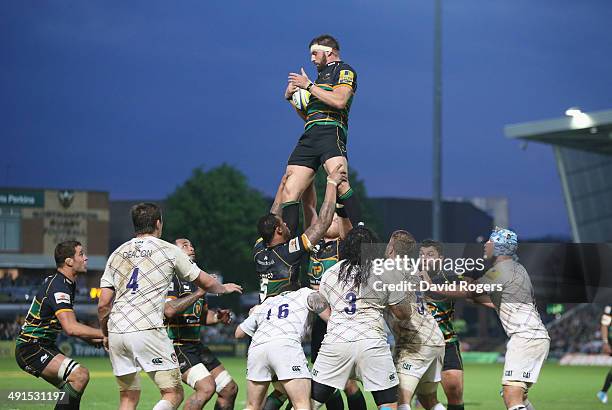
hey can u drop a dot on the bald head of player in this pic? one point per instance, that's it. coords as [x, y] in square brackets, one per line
[185, 245]
[273, 230]
[324, 49]
[147, 219]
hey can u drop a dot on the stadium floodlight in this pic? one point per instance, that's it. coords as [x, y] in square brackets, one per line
[573, 112]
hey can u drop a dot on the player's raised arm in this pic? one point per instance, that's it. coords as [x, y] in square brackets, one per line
[175, 306]
[212, 285]
[326, 214]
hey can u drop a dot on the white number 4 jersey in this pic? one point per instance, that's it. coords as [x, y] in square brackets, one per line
[140, 271]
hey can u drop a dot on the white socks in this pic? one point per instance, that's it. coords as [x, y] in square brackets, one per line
[403, 407]
[163, 405]
[438, 406]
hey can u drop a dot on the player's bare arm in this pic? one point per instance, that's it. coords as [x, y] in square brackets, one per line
[338, 98]
[178, 305]
[319, 305]
[72, 327]
[326, 214]
[105, 304]
[212, 285]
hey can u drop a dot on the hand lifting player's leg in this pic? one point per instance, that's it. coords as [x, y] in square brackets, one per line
[76, 377]
[346, 196]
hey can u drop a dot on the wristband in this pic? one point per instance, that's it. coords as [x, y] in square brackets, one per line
[309, 86]
[329, 181]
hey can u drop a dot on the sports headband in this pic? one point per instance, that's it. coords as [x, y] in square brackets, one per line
[319, 47]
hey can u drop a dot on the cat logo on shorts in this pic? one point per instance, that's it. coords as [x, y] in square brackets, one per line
[526, 375]
[346, 77]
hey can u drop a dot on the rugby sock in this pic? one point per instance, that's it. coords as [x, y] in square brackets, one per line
[453, 407]
[274, 402]
[335, 402]
[440, 406]
[356, 401]
[163, 405]
[71, 400]
[315, 404]
[606, 385]
[351, 206]
[518, 407]
[291, 215]
[403, 407]
[528, 405]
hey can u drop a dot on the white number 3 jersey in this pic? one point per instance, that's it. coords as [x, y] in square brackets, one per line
[140, 271]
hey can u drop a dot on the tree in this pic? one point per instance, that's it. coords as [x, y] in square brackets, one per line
[218, 211]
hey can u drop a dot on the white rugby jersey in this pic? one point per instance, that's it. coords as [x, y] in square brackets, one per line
[421, 328]
[284, 316]
[140, 271]
[515, 303]
[356, 314]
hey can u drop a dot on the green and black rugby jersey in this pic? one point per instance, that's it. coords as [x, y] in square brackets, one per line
[186, 326]
[334, 75]
[323, 256]
[442, 308]
[55, 295]
[278, 266]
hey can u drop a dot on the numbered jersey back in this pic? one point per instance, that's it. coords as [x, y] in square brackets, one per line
[356, 314]
[140, 271]
[280, 317]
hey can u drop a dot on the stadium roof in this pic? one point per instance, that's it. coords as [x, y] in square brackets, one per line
[583, 131]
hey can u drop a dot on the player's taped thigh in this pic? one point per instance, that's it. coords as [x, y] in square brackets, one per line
[66, 368]
[385, 396]
[166, 379]
[524, 385]
[222, 380]
[196, 373]
[408, 382]
[128, 381]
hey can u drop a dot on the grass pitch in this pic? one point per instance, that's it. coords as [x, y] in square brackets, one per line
[559, 387]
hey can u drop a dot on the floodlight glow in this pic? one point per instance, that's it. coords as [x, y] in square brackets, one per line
[573, 112]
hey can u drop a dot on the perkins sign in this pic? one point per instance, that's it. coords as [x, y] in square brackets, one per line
[22, 198]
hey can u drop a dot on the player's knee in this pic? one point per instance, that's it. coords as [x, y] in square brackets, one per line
[174, 395]
[79, 378]
[205, 387]
[230, 391]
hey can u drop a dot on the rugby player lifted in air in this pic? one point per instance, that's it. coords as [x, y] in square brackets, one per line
[325, 131]
[134, 286]
[187, 309]
[50, 313]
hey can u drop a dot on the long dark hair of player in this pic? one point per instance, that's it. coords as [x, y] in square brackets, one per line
[353, 266]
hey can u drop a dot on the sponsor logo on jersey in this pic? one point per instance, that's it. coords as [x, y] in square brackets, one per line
[265, 261]
[61, 297]
[44, 358]
[294, 245]
[156, 360]
[346, 77]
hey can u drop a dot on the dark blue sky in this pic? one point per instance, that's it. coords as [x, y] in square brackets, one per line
[129, 97]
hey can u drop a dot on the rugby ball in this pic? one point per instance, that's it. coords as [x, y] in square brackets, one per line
[300, 99]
